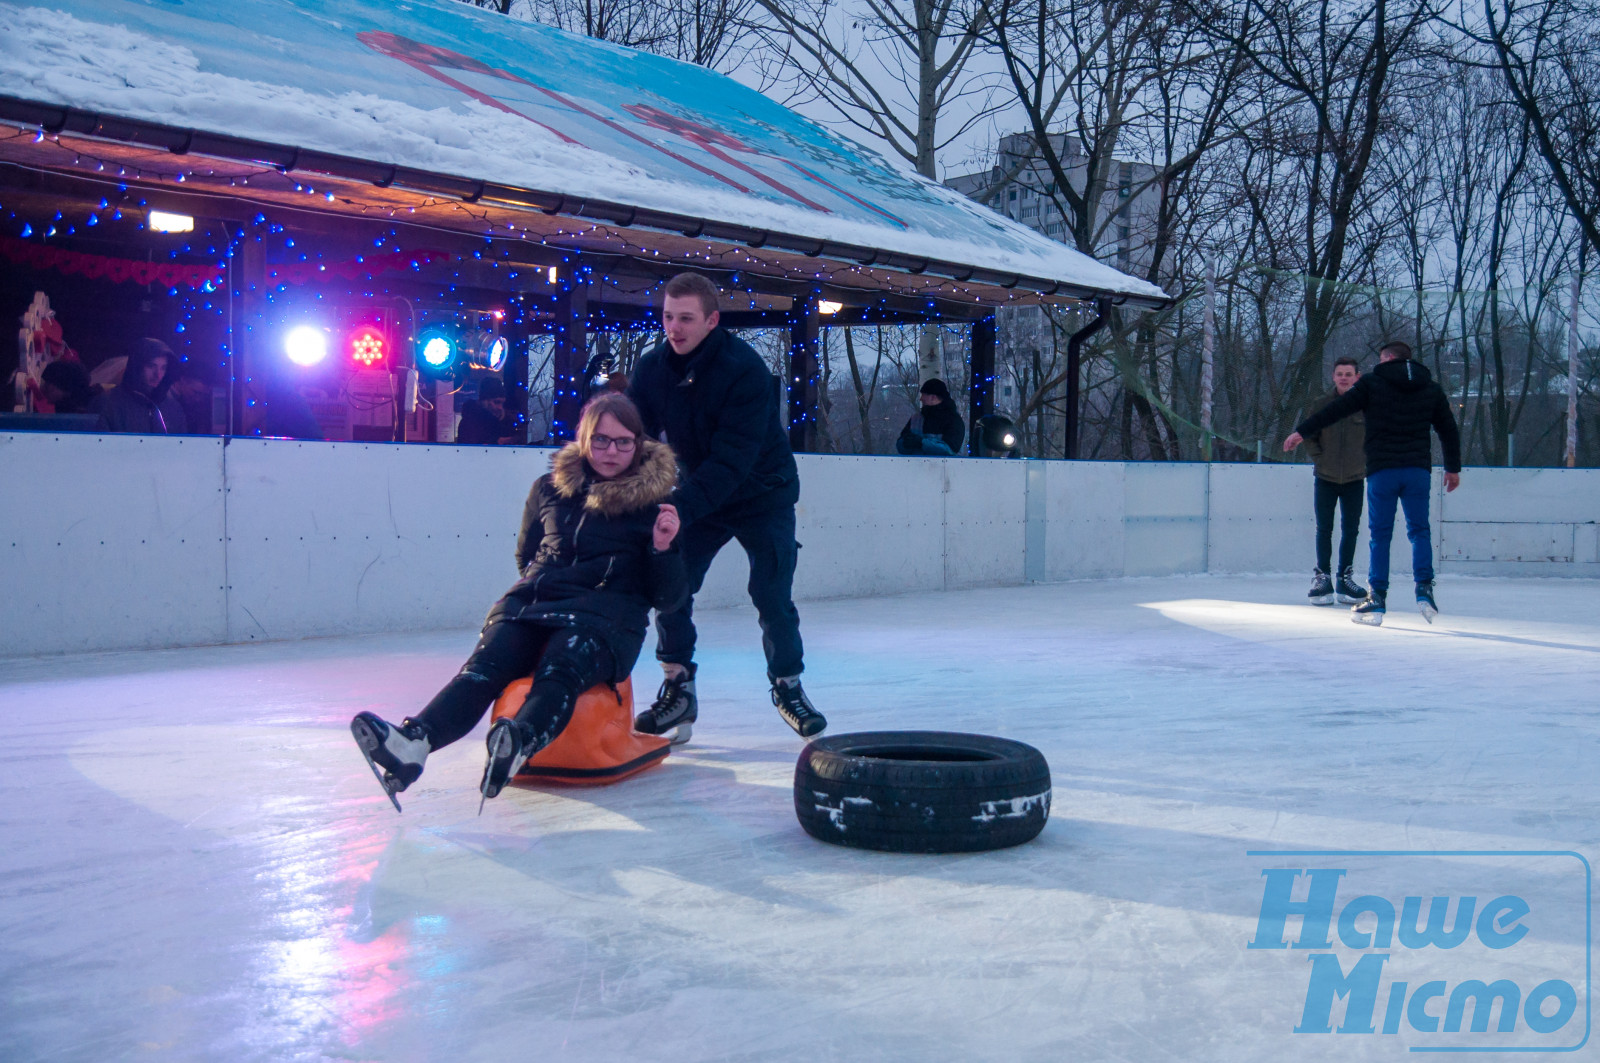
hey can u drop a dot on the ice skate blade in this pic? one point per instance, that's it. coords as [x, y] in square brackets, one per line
[368, 742]
[681, 735]
[1345, 599]
[500, 750]
[1428, 611]
[1322, 599]
[1370, 619]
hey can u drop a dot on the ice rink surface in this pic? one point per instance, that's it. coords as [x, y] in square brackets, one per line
[197, 864]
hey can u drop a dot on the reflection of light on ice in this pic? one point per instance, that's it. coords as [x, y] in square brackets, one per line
[323, 963]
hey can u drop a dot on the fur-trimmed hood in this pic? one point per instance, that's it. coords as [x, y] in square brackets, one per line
[652, 483]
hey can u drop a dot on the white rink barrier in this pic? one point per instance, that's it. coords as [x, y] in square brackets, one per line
[122, 542]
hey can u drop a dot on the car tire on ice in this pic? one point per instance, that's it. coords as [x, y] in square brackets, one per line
[921, 791]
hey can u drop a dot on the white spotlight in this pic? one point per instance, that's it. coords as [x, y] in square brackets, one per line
[826, 307]
[306, 345]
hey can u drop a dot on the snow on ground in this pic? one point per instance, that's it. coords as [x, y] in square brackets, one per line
[199, 866]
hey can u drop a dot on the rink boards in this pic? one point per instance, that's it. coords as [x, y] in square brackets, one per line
[137, 542]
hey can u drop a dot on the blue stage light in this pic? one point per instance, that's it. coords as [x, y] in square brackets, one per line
[436, 351]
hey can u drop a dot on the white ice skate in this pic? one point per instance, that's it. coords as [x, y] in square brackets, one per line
[395, 754]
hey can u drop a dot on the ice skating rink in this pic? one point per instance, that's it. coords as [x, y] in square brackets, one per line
[197, 864]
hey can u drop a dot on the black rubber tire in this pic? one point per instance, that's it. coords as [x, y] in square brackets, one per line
[921, 791]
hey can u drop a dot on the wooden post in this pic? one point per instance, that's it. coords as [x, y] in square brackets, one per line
[804, 327]
[515, 373]
[571, 352]
[1207, 354]
[248, 349]
[980, 385]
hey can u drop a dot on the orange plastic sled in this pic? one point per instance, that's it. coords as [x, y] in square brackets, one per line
[599, 746]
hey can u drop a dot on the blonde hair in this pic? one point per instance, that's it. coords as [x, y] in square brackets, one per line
[622, 408]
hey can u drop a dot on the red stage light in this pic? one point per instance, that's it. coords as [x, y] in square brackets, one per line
[367, 346]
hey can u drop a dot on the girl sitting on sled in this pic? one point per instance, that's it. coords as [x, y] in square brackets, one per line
[596, 553]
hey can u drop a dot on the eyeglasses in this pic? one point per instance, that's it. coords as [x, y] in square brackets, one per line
[624, 444]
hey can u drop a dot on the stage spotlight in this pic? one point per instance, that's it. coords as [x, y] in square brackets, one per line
[306, 345]
[484, 350]
[436, 351]
[498, 349]
[368, 345]
[997, 432]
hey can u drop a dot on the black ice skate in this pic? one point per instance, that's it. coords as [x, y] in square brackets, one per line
[1370, 611]
[395, 754]
[1321, 592]
[676, 706]
[796, 709]
[1350, 592]
[509, 748]
[1425, 603]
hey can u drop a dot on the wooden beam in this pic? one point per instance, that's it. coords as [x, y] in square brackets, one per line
[803, 373]
[980, 385]
[571, 351]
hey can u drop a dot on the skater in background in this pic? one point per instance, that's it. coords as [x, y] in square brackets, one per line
[1338, 480]
[1402, 404]
[596, 552]
[935, 430]
[711, 397]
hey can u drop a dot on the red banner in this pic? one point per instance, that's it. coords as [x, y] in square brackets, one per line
[104, 267]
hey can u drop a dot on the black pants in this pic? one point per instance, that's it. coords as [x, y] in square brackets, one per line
[768, 538]
[564, 662]
[1348, 498]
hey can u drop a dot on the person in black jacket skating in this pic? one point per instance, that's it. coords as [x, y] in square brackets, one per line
[711, 397]
[1402, 404]
[598, 549]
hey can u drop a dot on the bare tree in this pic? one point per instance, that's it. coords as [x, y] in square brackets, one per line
[895, 70]
[1344, 63]
[1549, 58]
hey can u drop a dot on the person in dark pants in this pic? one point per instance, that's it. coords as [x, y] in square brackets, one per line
[711, 397]
[1402, 404]
[936, 430]
[1339, 480]
[598, 549]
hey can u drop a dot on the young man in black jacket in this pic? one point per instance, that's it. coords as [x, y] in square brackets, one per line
[1402, 403]
[710, 396]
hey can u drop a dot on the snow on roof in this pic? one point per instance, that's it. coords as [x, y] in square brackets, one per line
[442, 86]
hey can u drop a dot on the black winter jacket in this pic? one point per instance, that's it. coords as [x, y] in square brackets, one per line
[586, 556]
[127, 408]
[939, 422]
[1401, 402]
[480, 427]
[721, 418]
